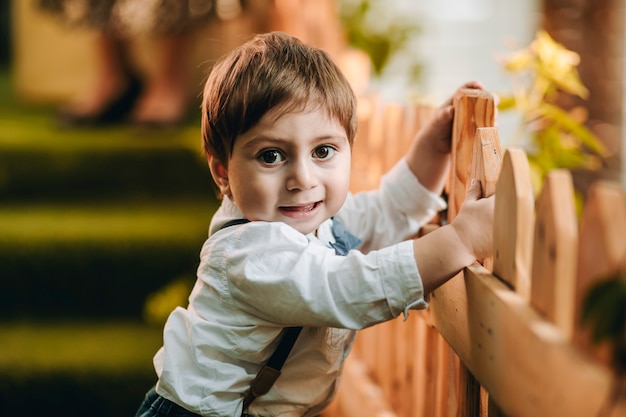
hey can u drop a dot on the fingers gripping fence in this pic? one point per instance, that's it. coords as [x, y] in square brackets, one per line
[503, 338]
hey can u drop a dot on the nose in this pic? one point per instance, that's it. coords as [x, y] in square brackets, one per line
[301, 175]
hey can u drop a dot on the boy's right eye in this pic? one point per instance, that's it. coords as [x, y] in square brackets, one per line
[271, 156]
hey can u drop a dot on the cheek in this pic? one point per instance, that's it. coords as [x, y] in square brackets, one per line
[340, 182]
[251, 193]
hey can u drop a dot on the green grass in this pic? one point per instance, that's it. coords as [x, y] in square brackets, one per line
[96, 369]
[93, 220]
[131, 221]
[106, 347]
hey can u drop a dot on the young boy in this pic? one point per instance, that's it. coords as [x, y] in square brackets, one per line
[278, 126]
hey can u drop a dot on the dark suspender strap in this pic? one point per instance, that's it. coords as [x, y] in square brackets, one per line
[234, 223]
[278, 358]
[270, 372]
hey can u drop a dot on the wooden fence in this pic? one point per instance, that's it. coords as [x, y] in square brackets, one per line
[502, 338]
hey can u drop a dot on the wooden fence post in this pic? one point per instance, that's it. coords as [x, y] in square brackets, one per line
[472, 109]
[602, 249]
[475, 153]
[516, 343]
[513, 222]
[486, 163]
[555, 249]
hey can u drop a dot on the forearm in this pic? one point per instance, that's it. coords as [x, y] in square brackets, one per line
[429, 154]
[440, 255]
[429, 165]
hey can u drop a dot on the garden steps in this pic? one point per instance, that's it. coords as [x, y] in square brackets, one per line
[79, 368]
[92, 223]
[95, 260]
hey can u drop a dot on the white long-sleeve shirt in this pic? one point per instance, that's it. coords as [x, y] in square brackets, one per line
[257, 278]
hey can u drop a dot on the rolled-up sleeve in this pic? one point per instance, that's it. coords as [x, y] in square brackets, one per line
[297, 281]
[392, 213]
[405, 191]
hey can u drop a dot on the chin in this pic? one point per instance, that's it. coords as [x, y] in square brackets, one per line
[305, 229]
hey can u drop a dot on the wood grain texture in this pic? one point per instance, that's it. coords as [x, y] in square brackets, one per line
[601, 252]
[514, 223]
[555, 251]
[486, 164]
[472, 109]
[487, 159]
[524, 361]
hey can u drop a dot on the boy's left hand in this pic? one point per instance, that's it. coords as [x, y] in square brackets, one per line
[439, 129]
[429, 154]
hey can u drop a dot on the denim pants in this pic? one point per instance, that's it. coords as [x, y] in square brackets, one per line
[156, 406]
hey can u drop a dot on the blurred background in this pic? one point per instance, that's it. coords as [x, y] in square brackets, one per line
[105, 198]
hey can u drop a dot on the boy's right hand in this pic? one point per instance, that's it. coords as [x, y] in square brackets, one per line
[474, 222]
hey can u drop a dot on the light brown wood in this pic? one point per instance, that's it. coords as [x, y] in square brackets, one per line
[514, 222]
[486, 163]
[487, 159]
[394, 119]
[401, 336]
[472, 109]
[359, 180]
[359, 395]
[444, 359]
[602, 249]
[385, 365]
[555, 250]
[425, 370]
[524, 362]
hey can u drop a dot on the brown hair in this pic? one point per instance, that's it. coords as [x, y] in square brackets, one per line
[271, 70]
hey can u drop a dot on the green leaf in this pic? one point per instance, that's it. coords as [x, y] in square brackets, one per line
[567, 123]
[604, 310]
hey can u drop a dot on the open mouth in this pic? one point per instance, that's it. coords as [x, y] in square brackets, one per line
[301, 212]
[301, 208]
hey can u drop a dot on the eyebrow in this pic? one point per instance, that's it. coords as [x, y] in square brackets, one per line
[278, 141]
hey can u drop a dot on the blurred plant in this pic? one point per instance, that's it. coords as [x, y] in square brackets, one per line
[381, 31]
[160, 304]
[559, 138]
[604, 312]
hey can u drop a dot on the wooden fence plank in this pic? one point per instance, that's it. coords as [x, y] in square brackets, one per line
[486, 163]
[424, 370]
[602, 248]
[524, 362]
[487, 159]
[472, 109]
[359, 180]
[385, 363]
[445, 380]
[375, 145]
[401, 335]
[358, 395]
[513, 222]
[394, 116]
[555, 249]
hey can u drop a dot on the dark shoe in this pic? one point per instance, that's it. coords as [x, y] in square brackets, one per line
[113, 112]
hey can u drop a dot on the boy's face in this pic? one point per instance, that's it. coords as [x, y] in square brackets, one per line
[293, 169]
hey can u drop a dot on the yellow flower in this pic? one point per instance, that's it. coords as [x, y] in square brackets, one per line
[558, 64]
[550, 60]
[519, 61]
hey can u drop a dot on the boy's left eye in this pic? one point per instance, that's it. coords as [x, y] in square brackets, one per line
[323, 152]
[271, 156]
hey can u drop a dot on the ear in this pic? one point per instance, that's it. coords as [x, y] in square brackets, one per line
[220, 175]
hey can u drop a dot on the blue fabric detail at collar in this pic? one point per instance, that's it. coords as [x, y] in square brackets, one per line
[344, 240]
